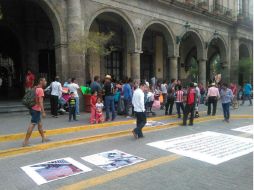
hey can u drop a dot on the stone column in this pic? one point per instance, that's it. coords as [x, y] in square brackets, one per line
[234, 60]
[173, 68]
[135, 66]
[245, 8]
[74, 27]
[202, 71]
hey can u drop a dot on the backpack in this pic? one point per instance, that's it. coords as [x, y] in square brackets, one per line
[29, 99]
[191, 96]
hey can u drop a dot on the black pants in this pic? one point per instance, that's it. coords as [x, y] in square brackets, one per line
[212, 101]
[189, 109]
[72, 113]
[179, 106]
[141, 121]
[169, 106]
[54, 104]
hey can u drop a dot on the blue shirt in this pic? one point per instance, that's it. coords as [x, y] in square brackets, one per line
[127, 92]
[226, 96]
[247, 89]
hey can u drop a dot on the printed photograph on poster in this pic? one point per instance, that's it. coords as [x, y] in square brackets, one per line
[245, 129]
[211, 147]
[53, 170]
[154, 123]
[112, 160]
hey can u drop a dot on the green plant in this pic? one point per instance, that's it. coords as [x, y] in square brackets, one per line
[246, 68]
[96, 42]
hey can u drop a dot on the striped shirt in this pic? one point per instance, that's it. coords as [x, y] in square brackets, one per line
[179, 96]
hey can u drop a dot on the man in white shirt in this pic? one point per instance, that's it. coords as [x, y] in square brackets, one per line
[55, 95]
[138, 101]
[73, 87]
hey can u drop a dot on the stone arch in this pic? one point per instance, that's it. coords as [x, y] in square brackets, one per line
[223, 48]
[167, 32]
[244, 50]
[199, 42]
[130, 29]
[56, 21]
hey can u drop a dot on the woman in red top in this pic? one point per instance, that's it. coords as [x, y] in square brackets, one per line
[29, 79]
[93, 102]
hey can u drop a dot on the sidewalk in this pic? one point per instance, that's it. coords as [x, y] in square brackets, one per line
[18, 122]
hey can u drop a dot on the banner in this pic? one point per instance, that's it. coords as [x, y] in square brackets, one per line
[211, 147]
[53, 170]
[112, 160]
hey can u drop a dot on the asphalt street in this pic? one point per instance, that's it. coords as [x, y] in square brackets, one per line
[161, 169]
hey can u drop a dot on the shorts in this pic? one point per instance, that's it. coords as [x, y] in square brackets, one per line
[36, 117]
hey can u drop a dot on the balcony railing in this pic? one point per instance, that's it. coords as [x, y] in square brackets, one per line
[221, 10]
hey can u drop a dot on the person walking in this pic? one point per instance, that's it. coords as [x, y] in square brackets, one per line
[138, 101]
[170, 101]
[247, 88]
[212, 97]
[190, 105]
[226, 95]
[198, 100]
[109, 90]
[55, 95]
[74, 87]
[36, 112]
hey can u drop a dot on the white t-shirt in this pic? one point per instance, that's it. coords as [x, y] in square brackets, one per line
[138, 100]
[56, 89]
[73, 87]
[164, 88]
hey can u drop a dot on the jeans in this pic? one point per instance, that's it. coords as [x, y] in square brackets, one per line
[179, 106]
[36, 117]
[72, 113]
[127, 106]
[169, 105]
[141, 122]
[247, 96]
[54, 104]
[212, 100]
[226, 112]
[77, 105]
[110, 105]
[189, 109]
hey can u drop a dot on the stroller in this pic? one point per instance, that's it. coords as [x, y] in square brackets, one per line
[63, 102]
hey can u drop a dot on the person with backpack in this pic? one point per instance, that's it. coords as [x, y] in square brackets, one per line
[190, 105]
[36, 111]
[109, 97]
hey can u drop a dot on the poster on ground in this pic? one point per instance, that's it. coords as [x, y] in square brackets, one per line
[214, 148]
[112, 160]
[245, 129]
[53, 170]
[154, 123]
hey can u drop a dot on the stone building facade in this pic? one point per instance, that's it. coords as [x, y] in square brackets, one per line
[161, 38]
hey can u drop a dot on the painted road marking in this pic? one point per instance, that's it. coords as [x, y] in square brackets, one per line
[19, 136]
[120, 173]
[106, 136]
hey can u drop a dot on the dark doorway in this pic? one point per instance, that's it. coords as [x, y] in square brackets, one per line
[47, 67]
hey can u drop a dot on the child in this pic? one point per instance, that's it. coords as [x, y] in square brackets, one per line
[93, 107]
[99, 114]
[72, 107]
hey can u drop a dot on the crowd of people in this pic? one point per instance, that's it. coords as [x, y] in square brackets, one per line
[134, 99]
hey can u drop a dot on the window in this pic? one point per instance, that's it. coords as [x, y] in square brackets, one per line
[113, 63]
